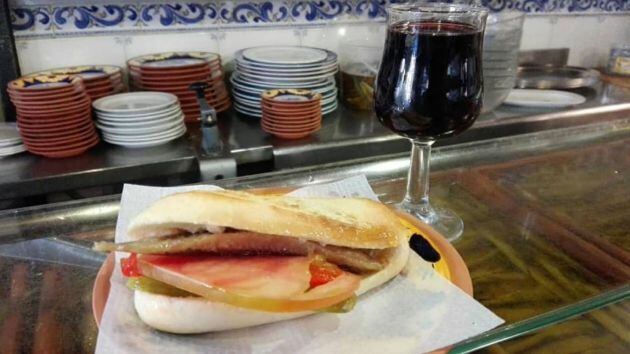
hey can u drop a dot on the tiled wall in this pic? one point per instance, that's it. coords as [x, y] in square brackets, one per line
[53, 33]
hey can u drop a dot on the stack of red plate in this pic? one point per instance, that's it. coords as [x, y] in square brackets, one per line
[174, 72]
[54, 115]
[99, 80]
[291, 113]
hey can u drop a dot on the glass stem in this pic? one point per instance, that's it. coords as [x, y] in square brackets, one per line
[418, 180]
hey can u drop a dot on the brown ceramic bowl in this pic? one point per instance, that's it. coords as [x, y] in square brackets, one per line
[291, 112]
[179, 85]
[48, 84]
[54, 109]
[67, 151]
[74, 128]
[290, 129]
[290, 136]
[60, 141]
[35, 126]
[290, 105]
[178, 68]
[46, 95]
[276, 122]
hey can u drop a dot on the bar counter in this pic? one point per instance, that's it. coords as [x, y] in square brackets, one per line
[345, 134]
[546, 241]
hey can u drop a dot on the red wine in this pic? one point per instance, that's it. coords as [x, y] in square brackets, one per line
[430, 83]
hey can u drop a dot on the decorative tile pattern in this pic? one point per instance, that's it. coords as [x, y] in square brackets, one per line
[31, 19]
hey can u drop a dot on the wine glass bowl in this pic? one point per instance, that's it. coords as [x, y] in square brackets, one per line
[429, 87]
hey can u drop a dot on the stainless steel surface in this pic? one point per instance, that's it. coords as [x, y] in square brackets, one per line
[50, 276]
[348, 134]
[562, 77]
[27, 175]
[345, 134]
[544, 57]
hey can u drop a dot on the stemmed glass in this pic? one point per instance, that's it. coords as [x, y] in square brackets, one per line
[429, 87]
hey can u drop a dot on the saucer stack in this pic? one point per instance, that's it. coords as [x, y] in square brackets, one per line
[283, 67]
[140, 119]
[10, 140]
[291, 113]
[53, 115]
[99, 80]
[174, 72]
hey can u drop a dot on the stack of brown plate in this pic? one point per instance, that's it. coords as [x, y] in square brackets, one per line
[99, 80]
[53, 115]
[291, 113]
[174, 72]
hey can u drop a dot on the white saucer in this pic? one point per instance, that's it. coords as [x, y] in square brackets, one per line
[132, 103]
[12, 150]
[9, 135]
[291, 55]
[543, 98]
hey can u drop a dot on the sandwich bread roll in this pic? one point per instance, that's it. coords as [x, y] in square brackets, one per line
[352, 233]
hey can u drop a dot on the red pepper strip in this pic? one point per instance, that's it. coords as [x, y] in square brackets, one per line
[130, 267]
[322, 273]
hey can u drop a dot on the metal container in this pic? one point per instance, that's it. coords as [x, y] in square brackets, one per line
[565, 77]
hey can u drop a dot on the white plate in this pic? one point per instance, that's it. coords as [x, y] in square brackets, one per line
[176, 131]
[246, 81]
[142, 130]
[285, 55]
[331, 57]
[243, 65]
[252, 91]
[283, 80]
[281, 76]
[12, 150]
[115, 120]
[141, 124]
[135, 102]
[145, 144]
[9, 135]
[259, 88]
[140, 116]
[543, 98]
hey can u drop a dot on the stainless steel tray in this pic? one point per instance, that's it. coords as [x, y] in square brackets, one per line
[565, 77]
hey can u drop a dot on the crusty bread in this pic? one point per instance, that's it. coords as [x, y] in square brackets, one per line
[196, 315]
[357, 223]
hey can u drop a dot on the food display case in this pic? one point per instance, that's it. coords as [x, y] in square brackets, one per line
[546, 216]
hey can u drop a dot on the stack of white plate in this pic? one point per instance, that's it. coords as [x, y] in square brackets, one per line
[10, 140]
[282, 67]
[139, 119]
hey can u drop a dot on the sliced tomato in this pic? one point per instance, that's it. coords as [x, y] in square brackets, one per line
[275, 284]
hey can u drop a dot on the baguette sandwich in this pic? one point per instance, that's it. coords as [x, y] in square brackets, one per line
[210, 261]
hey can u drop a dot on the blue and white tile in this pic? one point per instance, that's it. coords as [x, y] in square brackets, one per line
[48, 17]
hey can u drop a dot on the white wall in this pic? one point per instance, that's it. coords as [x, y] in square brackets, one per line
[589, 38]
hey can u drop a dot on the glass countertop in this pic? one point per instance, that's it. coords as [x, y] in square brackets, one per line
[546, 218]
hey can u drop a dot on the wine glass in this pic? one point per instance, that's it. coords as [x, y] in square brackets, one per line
[429, 86]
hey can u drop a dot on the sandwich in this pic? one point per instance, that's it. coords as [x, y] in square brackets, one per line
[211, 261]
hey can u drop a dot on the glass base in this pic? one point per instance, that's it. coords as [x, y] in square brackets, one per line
[444, 221]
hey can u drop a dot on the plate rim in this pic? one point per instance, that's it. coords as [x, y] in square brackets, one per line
[578, 99]
[171, 100]
[250, 57]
